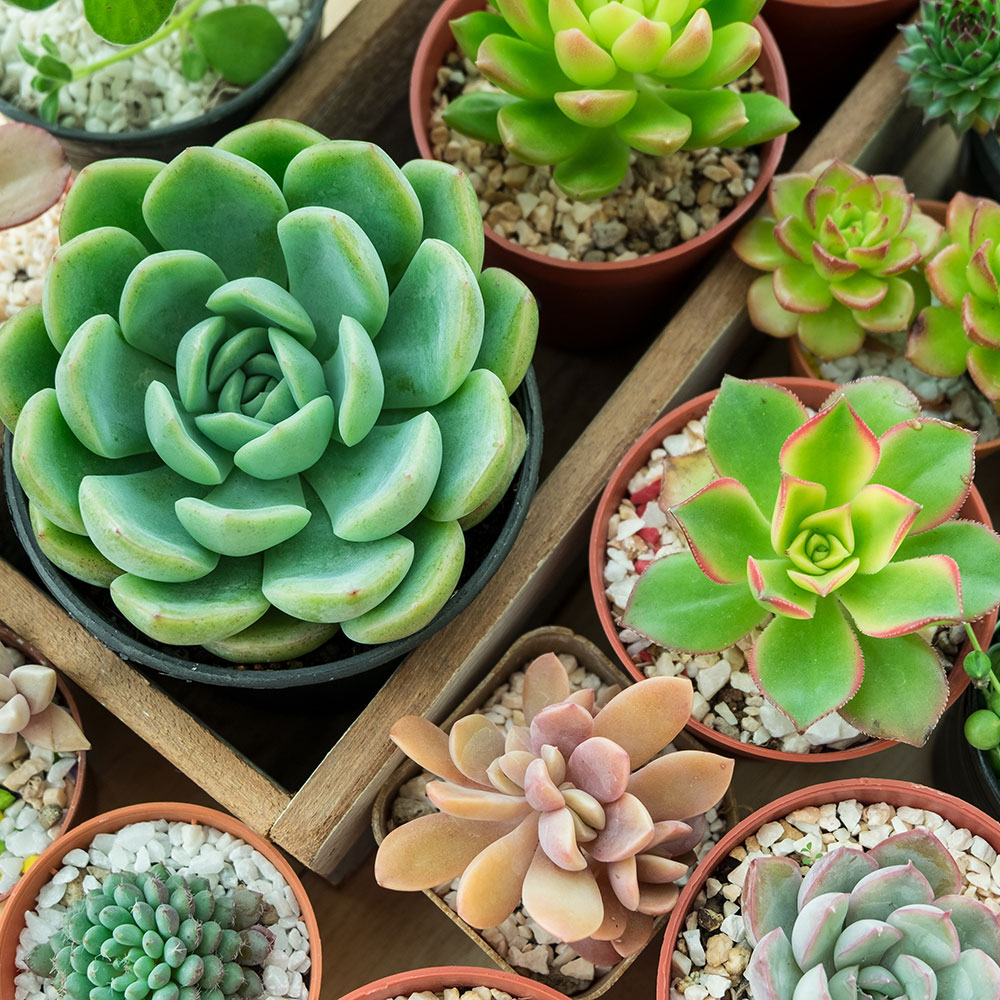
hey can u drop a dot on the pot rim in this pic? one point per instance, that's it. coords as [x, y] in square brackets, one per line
[439, 977]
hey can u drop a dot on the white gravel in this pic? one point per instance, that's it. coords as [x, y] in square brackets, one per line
[25, 253]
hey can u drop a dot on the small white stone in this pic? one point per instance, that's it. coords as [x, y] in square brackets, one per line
[742, 681]
[960, 840]
[717, 986]
[713, 679]
[275, 980]
[695, 949]
[120, 858]
[76, 857]
[982, 850]
[682, 963]
[769, 833]
[695, 992]
[51, 893]
[776, 723]
[849, 812]
[830, 729]
[66, 874]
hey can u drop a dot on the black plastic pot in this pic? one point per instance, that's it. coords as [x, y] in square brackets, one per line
[487, 544]
[960, 768]
[979, 165]
[164, 143]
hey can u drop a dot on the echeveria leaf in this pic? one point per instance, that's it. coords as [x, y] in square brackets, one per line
[984, 369]
[25, 348]
[195, 355]
[273, 638]
[974, 970]
[240, 43]
[771, 896]
[510, 329]
[72, 553]
[834, 333]
[880, 402]
[292, 445]
[755, 245]
[515, 455]
[272, 144]
[258, 302]
[33, 164]
[354, 381]
[927, 854]
[772, 971]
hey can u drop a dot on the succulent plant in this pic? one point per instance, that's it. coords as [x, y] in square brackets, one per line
[834, 525]
[953, 61]
[569, 814]
[160, 935]
[841, 248]
[34, 172]
[585, 81]
[886, 923]
[266, 389]
[963, 331]
[982, 727]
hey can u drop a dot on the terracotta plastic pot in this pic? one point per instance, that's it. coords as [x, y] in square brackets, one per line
[584, 305]
[23, 897]
[462, 976]
[14, 641]
[812, 392]
[865, 791]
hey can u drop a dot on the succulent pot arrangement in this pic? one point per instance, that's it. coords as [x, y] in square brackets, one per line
[455, 982]
[273, 473]
[579, 292]
[868, 701]
[208, 915]
[911, 835]
[537, 843]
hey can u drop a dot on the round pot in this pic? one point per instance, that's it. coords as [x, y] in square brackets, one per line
[959, 766]
[164, 143]
[979, 164]
[23, 897]
[812, 392]
[865, 790]
[586, 297]
[13, 640]
[487, 545]
[462, 976]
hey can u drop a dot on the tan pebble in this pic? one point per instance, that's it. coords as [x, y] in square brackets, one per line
[709, 215]
[558, 251]
[474, 154]
[735, 170]
[543, 216]
[452, 152]
[570, 231]
[736, 188]
[516, 176]
[738, 852]
[688, 227]
[719, 174]
[717, 949]
[737, 960]
[808, 815]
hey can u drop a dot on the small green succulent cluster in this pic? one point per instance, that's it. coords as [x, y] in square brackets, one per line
[161, 936]
[585, 81]
[953, 60]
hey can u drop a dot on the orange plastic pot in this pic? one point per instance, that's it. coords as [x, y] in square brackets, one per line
[865, 790]
[581, 304]
[13, 640]
[812, 392]
[23, 896]
[461, 976]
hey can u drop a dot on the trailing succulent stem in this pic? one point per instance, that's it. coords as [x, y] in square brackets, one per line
[982, 727]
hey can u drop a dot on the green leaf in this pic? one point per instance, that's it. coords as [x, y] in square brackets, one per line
[596, 169]
[49, 45]
[767, 118]
[292, 445]
[755, 245]
[30, 57]
[273, 638]
[654, 127]
[510, 329]
[766, 313]
[53, 67]
[27, 361]
[735, 48]
[834, 333]
[251, 302]
[471, 29]
[194, 65]
[904, 690]
[240, 43]
[807, 667]
[354, 381]
[715, 114]
[538, 132]
[880, 518]
[271, 143]
[880, 402]
[728, 11]
[475, 114]
[676, 605]
[519, 68]
[48, 111]
[776, 591]
[72, 553]
[127, 21]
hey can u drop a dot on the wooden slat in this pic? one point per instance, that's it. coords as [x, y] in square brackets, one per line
[183, 740]
[331, 810]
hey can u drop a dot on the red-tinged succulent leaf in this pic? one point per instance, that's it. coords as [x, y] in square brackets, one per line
[808, 668]
[959, 218]
[654, 127]
[798, 288]
[638, 930]
[831, 267]
[432, 849]
[766, 313]
[490, 887]
[640, 47]
[623, 877]
[657, 870]
[832, 238]
[793, 236]
[681, 784]
[746, 427]
[927, 934]
[927, 854]
[595, 108]
[518, 738]
[627, 830]
[557, 838]
[930, 462]
[566, 904]
[925, 232]
[981, 321]
[538, 132]
[772, 972]
[643, 718]
[770, 897]
[609, 20]
[735, 48]
[519, 68]
[893, 313]
[529, 18]
[564, 726]
[864, 942]
[835, 448]
[870, 257]
[977, 925]
[824, 584]
[35, 173]
[946, 275]
[787, 194]
[797, 499]
[819, 203]
[974, 970]
[676, 605]
[555, 762]
[896, 883]
[903, 693]
[545, 683]
[53, 728]
[690, 49]
[655, 900]
[984, 369]
[864, 195]
[838, 870]
[776, 591]
[756, 245]
[816, 931]
[585, 697]
[835, 333]
[426, 744]
[596, 169]
[881, 518]
[976, 550]
[860, 291]
[979, 274]
[476, 803]
[897, 202]
[985, 223]
[915, 976]
[937, 343]
[474, 743]
[723, 526]
[566, 14]
[905, 596]
[880, 402]
[600, 767]
[674, 837]
[837, 174]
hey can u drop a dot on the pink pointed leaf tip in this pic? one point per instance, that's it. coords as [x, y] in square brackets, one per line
[540, 790]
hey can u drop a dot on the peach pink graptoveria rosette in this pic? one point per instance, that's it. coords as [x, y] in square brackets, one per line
[889, 922]
[841, 526]
[569, 815]
[963, 332]
[841, 252]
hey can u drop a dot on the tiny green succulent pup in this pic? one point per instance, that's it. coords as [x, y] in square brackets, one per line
[842, 527]
[267, 389]
[886, 924]
[583, 82]
[841, 249]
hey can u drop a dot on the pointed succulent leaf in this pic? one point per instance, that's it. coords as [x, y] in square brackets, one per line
[566, 14]
[772, 585]
[476, 803]
[582, 59]
[984, 369]
[529, 18]
[715, 114]
[681, 784]
[975, 975]
[770, 897]
[25, 348]
[926, 933]
[826, 582]
[470, 30]
[475, 114]
[565, 903]
[880, 402]
[426, 744]
[596, 168]
[767, 118]
[916, 977]
[838, 870]
[772, 972]
[519, 68]
[645, 717]
[545, 683]
[976, 925]
[892, 886]
[864, 942]
[735, 48]
[927, 854]
[797, 499]
[817, 929]
[881, 518]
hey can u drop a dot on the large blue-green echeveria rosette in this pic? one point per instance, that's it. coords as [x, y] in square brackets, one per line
[266, 389]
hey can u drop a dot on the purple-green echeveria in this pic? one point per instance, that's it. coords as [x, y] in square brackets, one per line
[585, 81]
[266, 389]
[842, 247]
[841, 526]
[963, 332]
[886, 924]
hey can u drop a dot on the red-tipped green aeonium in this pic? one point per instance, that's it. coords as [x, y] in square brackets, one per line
[569, 815]
[582, 82]
[842, 526]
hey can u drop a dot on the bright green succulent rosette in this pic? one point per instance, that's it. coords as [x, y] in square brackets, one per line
[841, 250]
[842, 527]
[266, 389]
[584, 82]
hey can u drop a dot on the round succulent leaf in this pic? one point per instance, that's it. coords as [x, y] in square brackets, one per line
[981, 320]
[567, 904]
[515, 456]
[775, 590]
[229, 359]
[959, 219]
[600, 767]
[984, 369]
[818, 203]
[916, 977]
[878, 895]
[654, 127]
[582, 59]
[766, 313]
[300, 370]
[258, 302]
[756, 245]
[926, 933]
[975, 975]
[690, 48]
[770, 897]
[976, 925]
[72, 553]
[476, 803]
[819, 925]
[273, 638]
[715, 115]
[241, 43]
[510, 327]
[796, 239]
[874, 977]
[946, 275]
[470, 30]
[979, 273]
[222, 205]
[860, 292]
[735, 48]
[771, 971]
[27, 361]
[864, 942]
[450, 207]
[529, 18]
[684, 783]
[893, 313]
[110, 193]
[610, 20]
[354, 381]
[814, 985]
[433, 330]
[595, 108]
[101, 381]
[566, 14]
[928, 855]
[474, 743]
[271, 144]
[838, 870]
[230, 430]
[985, 223]
[86, 278]
[641, 46]
[292, 445]
[475, 114]
[596, 168]
[538, 132]
[195, 355]
[937, 342]
[382, 483]
[788, 192]
[218, 605]
[880, 402]
[798, 288]
[519, 68]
